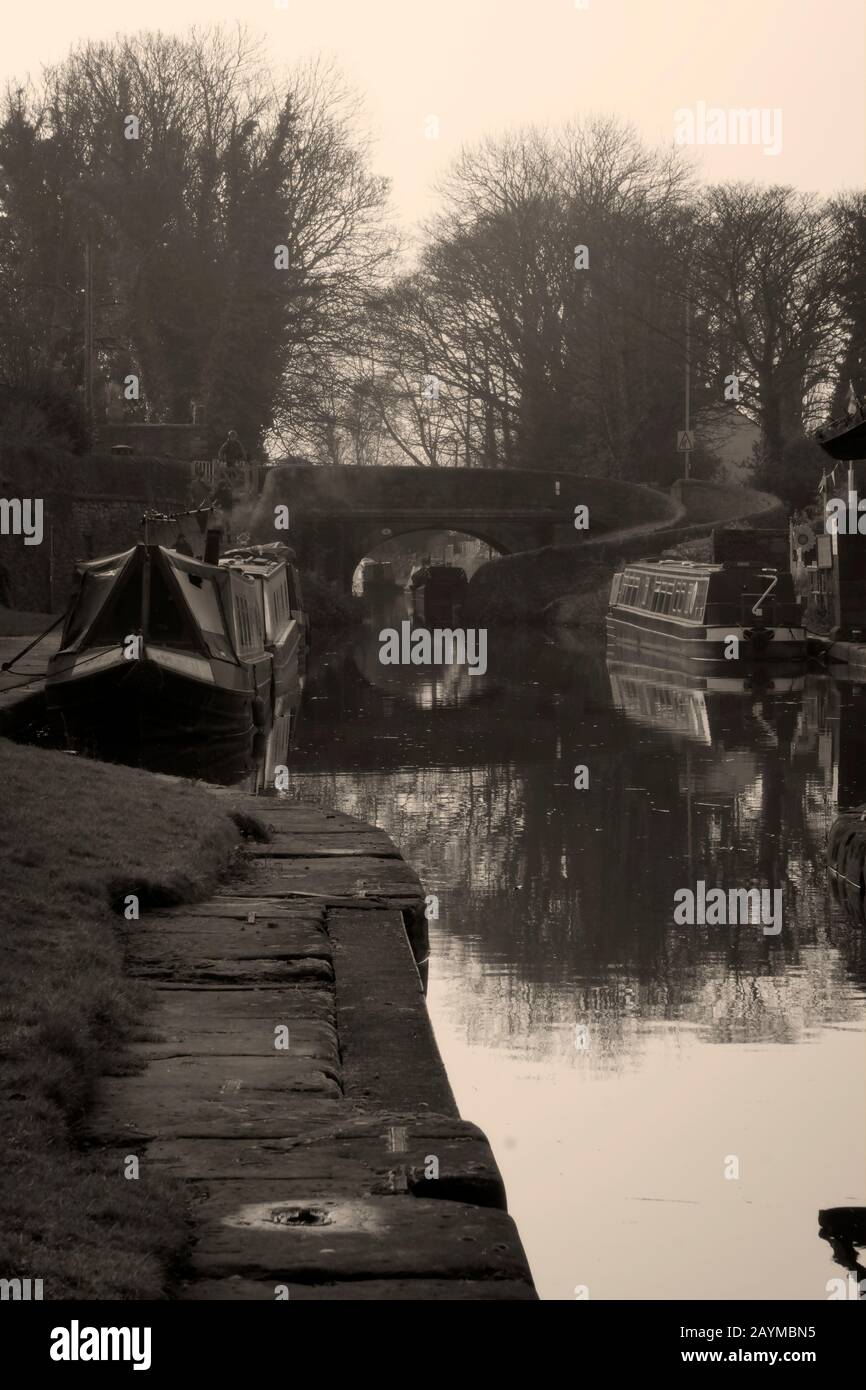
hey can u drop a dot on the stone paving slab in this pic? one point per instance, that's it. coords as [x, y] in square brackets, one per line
[390, 1057]
[304, 912]
[246, 972]
[26, 680]
[185, 1027]
[298, 845]
[199, 1012]
[164, 947]
[454, 1163]
[346, 877]
[338, 1166]
[237, 1289]
[235, 1096]
[259, 1230]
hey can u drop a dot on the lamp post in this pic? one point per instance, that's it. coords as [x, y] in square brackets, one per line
[688, 383]
[88, 325]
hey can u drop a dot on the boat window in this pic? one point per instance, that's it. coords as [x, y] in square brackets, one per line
[630, 589]
[243, 622]
[663, 596]
[682, 593]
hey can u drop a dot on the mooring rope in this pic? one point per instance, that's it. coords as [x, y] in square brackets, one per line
[7, 665]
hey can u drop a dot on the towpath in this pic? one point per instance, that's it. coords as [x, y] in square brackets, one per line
[291, 1078]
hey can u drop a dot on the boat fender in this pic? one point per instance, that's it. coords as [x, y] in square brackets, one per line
[760, 637]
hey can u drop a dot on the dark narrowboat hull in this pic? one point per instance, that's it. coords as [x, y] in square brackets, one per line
[144, 697]
[843, 439]
[698, 647]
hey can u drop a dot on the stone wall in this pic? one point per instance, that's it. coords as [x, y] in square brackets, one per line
[92, 506]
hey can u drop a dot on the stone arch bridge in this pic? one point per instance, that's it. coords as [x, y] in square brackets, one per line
[340, 514]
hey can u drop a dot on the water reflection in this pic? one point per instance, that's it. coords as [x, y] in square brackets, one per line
[247, 761]
[556, 917]
[617, 1061]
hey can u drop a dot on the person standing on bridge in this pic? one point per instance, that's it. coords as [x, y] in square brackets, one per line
[232, 452]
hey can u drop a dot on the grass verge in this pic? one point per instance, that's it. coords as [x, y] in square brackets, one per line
[74, 836]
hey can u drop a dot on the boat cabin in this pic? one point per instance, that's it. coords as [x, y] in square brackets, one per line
[708, 613]
[707, 594]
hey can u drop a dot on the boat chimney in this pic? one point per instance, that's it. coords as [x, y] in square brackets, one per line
[212, 544]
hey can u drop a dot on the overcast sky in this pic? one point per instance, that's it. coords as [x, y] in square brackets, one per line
[484, 65]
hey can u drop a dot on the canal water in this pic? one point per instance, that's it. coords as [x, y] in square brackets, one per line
[671, 1106]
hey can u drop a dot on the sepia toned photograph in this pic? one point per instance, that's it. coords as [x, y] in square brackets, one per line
[432, 671]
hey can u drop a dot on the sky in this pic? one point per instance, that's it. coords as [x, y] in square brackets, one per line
[440, 74]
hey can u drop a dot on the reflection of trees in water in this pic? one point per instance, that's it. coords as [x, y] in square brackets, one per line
[557, 904]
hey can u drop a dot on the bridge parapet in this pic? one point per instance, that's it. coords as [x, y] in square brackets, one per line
[337, 515]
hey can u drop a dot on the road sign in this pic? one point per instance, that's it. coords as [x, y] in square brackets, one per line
[685, 441]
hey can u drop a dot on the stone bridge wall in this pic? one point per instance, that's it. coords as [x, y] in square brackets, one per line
[338, 515]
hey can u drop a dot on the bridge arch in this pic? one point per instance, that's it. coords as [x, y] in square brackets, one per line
[338, 515]
[400, 531]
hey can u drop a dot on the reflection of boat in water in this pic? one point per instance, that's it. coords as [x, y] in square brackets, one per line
[691, 612]
[844, 1229]
[846, 858]
[158, 643]
[672, 701]
[274, 742]
[248, 760]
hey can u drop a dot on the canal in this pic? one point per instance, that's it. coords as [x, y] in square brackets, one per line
[670, 1105]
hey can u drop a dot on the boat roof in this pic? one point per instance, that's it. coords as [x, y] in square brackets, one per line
[699, 567]
[265, 560]
[257, 564]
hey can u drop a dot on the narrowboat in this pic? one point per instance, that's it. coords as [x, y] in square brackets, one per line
[286, 624]
[845, 437]
[161, 644]
[377, 578]
[436, 588]
[691, 611]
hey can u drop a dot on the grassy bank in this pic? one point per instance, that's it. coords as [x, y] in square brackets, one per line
[75, 838]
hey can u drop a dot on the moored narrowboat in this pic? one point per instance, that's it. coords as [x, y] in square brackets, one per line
[692, 611]
[286, 624]
[436, 589]
[845, 437]
[160, 644]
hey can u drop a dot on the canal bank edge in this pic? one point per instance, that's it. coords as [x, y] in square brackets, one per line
[335, 1167]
